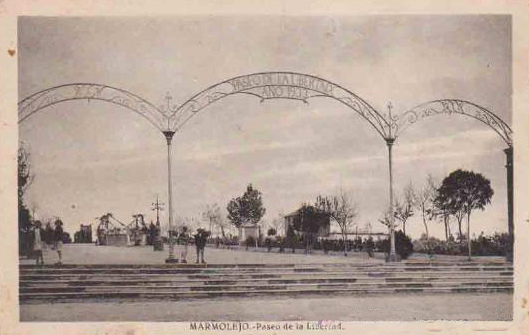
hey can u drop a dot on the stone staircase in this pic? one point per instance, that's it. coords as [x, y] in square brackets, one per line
[80, 283]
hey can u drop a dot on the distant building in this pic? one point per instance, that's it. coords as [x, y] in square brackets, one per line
[355, 232]
[295, 218]
[248, 230]
[84, 235]
[331, 230]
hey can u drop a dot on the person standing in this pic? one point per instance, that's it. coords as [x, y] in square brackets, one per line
[183, 239]
[38, 234]
[58, 239]
[200, 242]
[370, 246]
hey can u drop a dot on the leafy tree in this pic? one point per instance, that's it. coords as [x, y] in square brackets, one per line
[291, 238]
[25, 178]
[404, 207]
[246, 209]
[463, 191]
[309, 221]
[443, 211]
[403, 245]
[341, 208]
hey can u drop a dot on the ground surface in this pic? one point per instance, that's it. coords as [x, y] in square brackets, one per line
[404, 307]
[91, 254]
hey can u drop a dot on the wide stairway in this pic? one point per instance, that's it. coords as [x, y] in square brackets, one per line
[79, 283]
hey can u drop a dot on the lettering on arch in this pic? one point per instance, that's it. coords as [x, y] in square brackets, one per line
[279, 85]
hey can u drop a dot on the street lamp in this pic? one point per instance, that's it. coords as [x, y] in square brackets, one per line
[390, 140]
[168, 133]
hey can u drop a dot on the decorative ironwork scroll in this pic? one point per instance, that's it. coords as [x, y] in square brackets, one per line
[278, 85]
[450, 107]
[84, 91]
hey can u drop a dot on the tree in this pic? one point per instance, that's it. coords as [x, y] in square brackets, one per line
[404, 207]
[291, 238]
[424, 201]
[342, 209]
[277, 223]
[213, 215]
[309, 221]
[403, 245]
[463, 191]
[246, 209]
[25, 178]
[443, 211]
[386, 219]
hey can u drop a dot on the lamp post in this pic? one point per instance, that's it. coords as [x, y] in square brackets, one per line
[169, 137]
[509, 167]
[390, 140]
[392, 253]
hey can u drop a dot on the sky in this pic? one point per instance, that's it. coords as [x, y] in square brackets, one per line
[91, 158]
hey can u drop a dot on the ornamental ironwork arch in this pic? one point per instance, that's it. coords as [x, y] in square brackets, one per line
[453, 107]
[86, 91]
[278, 85]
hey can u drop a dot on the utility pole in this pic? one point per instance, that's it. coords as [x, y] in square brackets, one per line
[157, 206]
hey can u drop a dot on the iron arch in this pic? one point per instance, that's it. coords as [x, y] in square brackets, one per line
[454, 106]
[87, 91]
[278, 85]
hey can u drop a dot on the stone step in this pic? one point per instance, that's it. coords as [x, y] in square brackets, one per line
[190, 281]
[251, 287]
[172, 295]
[256, 270]
[236, 275]
[274, 265]
[192, 269]
[282, 280]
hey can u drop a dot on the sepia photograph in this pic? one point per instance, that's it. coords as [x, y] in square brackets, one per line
[264, 167]
[286, 167]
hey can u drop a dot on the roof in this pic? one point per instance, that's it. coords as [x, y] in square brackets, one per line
[294, 213]
[248, 225]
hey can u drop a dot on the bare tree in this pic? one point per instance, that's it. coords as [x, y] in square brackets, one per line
[342, 208]
[424, 199]
[277, 223]
[213, 216]
[404, 207]
[386, 219]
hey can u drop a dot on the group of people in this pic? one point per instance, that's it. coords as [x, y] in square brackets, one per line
[183, 238]
[44, 237]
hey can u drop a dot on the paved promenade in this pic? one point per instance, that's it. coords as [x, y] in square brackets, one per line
[92, 254]
[408, 307]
